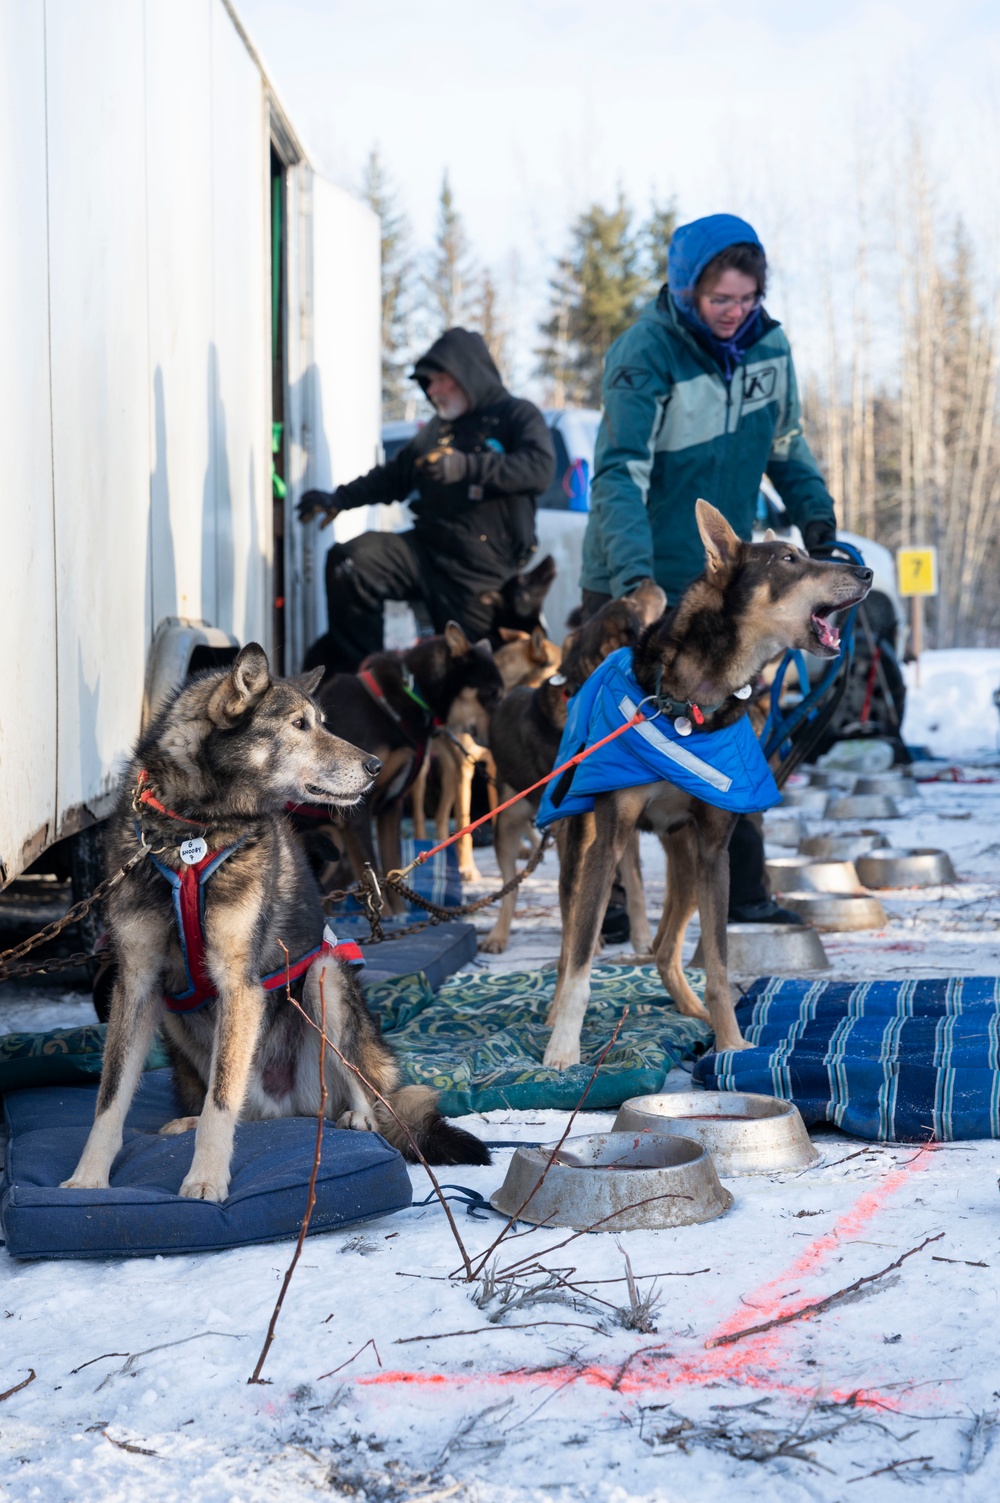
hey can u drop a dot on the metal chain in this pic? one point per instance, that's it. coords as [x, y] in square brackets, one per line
[9, 957]
[491, 897]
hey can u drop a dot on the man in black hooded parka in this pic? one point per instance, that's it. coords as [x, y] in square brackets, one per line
[478, 466]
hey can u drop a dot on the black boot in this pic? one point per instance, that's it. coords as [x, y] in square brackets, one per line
[749, 900]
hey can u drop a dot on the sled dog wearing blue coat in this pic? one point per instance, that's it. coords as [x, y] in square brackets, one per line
[690, 767]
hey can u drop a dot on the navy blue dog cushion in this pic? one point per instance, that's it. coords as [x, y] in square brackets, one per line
[360, 1177]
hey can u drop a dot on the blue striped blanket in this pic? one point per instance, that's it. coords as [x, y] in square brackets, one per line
[903, 1061]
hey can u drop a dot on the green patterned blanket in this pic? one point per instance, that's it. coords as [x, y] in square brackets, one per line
[479, 1041]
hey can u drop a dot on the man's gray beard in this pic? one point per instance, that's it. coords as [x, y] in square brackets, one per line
[450, 408]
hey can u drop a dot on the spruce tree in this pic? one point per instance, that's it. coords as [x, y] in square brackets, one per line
[612, 268]
[448, 283]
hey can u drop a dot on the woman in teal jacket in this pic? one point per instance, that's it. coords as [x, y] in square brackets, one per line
[700, 399]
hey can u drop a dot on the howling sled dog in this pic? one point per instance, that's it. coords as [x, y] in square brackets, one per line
[691, 670]
[199, 930]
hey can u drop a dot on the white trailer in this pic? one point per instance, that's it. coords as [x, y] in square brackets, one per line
[176, 279]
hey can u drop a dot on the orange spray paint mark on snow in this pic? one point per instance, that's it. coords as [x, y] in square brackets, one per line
[759, 1361]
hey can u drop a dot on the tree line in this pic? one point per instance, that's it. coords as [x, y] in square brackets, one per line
[901, 411]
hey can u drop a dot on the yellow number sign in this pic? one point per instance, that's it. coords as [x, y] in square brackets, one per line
[916, 570]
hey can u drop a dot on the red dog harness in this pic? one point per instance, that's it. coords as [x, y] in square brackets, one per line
[189, 913]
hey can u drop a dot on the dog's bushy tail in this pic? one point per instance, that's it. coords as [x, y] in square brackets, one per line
[440, 1141]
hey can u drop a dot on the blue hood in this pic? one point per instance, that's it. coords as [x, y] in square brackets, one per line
[695, 244]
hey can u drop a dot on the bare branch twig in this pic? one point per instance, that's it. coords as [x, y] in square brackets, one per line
[369, 1343]
[805, 1311]
[403, 1128]
[18, 1386]
[311, 1199]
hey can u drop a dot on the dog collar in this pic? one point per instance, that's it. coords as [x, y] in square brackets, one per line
[676, 710]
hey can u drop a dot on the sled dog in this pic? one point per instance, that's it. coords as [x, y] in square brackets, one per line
[210, 928]
[694, 667]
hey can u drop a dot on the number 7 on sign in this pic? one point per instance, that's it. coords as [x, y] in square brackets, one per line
[916, 571]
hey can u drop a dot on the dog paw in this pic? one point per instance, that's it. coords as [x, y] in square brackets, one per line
[356, 1122]
[492, 946]
[561, 1056]
[79, 1182]
[177, 1126]
[470, 873]
[731, 1046]
[203, 1189]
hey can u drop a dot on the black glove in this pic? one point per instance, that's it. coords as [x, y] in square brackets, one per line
[317, 503]
[446, 466]
[818, 535]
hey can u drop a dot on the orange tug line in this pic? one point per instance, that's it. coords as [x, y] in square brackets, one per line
[755, 1362]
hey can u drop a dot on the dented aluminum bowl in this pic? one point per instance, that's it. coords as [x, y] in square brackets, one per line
[804, 874]
[744, 1133]
[832, 912]
[922, 867]
[614, 1182]
[896, 785]
[770, 950]
[862, 806]
[783, 829]
[840, 847]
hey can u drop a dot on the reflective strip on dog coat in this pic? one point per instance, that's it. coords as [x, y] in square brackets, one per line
[725, 768]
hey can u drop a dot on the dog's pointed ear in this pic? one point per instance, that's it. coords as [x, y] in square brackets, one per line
[483, 649]
[722, 546]
[458, 642]
[649, 600]
[770, 536]
[309, 682]
[243, 687]
[538, 647]
[511, 634]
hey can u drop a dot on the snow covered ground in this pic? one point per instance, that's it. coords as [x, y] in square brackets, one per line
[141, 1367]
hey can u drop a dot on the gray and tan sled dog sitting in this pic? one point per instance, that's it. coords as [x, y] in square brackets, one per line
[200, 928]
[690, 767]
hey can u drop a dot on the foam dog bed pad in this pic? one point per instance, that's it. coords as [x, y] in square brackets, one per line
[360, 1177]
[893, 1061]
[479, 1040]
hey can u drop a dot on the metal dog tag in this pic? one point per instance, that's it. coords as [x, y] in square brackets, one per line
[743, 693]
[682, 725]
[193, 851]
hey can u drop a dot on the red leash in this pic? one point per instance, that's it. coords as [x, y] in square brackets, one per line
[573, 762]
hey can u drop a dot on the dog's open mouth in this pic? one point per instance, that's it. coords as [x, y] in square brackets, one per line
[826, 634]
[320, 795]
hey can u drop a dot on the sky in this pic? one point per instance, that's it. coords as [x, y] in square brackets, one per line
[538, 109]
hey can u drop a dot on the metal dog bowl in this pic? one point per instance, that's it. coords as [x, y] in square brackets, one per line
[603, 1177]
[779, 830]
[896, 785]
[745, 1134]
[805, 800]
[840, 847]
[804, 874]
[923, 867]
[862, 806]
[770, 950]
[832, 912]
[833, 777]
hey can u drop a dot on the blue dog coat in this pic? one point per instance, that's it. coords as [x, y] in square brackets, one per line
[725, 768]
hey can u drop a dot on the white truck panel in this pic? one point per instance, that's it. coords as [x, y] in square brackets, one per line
[239, 365]
[100, 371]
[27, 569]
[336, 401]
[181, 306]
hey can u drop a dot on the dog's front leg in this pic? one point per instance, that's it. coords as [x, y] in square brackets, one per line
[467, 868]
[239, 1010]
[135, 1012]
[597, 865]
[713, 832]
[390, 848]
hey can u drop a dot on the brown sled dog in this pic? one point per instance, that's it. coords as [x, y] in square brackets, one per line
[754, 601]
[209, 782]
